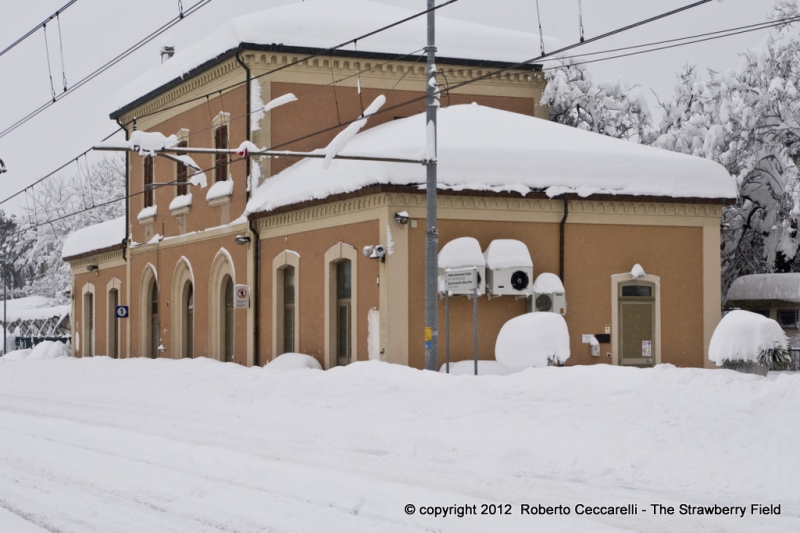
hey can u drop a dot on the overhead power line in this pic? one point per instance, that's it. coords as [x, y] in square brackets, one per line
[38, 27]
[105, 67]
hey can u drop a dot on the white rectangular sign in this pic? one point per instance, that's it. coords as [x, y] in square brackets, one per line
[647, 349]
[461, 280]
[241, 297]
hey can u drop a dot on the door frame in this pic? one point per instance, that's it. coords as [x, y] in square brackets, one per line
[618, 279]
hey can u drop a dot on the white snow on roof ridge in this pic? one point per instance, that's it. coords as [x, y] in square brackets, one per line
[784, 287]
[97, 237]
[486, 149]
[327, 23]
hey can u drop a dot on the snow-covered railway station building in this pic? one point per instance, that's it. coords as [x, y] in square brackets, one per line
[290, 233]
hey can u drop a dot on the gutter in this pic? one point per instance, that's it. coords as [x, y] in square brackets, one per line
[562, 229]
[248, 105]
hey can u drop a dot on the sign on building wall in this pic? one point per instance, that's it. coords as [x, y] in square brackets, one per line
[647, 349]
[122, 311]
[241, 297]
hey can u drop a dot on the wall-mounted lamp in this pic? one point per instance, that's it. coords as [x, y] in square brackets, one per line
[242, 239]
[402, 218]
[92, 268]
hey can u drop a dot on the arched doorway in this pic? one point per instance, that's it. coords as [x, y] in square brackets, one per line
[227, 323]
[154, 326]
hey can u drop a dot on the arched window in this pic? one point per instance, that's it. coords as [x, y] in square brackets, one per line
[154, 327]
[285, 303]
[344, 317]
[188, 320]
[113, 323]
[88, 324]
[341, 305]
[182, 310]
[227, 333]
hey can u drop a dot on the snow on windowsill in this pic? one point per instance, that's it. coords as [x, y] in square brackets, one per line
[220, 193]
[148, 215]
[181, 205]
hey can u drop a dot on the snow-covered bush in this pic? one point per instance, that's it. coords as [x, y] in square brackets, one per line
[294, 361]
[742, 336]
[533, 340]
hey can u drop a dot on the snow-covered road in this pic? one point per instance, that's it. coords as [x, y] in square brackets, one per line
[140, 445]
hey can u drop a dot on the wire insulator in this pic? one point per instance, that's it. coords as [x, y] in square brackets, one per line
[61, 49]
[580, 18]
[49, 70]
[180, 8]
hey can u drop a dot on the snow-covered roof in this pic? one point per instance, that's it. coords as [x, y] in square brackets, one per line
[94, 238]
[784, 287]
[33, 308]
[486, 149]
[322, 24]
[507, 253]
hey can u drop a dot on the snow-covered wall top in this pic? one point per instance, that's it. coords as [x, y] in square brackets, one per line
[784, 287]
[327, 23]
[485, 149]
[33, 308]
[97, 237]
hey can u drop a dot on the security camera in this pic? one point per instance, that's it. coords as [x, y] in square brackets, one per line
[401, 218]
[241, 239]
[378, 252]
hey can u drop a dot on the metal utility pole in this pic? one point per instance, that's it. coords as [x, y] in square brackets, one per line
[431, 231]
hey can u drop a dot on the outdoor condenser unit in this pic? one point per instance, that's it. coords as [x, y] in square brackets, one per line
[509, 268]
[548, 295]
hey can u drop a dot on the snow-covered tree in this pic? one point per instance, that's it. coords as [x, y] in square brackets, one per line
[749, 121]
[56, 208]
[613, 108]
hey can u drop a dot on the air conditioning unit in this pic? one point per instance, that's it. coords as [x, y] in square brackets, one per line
[458, 254]
[548, 295]
[509, 268]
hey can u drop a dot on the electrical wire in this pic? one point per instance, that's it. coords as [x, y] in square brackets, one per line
[37, 27]
[105, 67]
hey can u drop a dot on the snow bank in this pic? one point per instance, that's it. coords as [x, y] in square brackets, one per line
[485, 149]
[467, 368]
[784, 287]
[547, 283]
[507, 253]
[326, 23]
[294, 361]
[532, 340]
[50, 350]
[743, 336]
[17, 355]
[97, 237]
[460, 253]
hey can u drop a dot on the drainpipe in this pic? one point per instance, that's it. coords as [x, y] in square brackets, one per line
[127, 193]
[247, 123]
[256, 290]
[257, 240]
[561, 239]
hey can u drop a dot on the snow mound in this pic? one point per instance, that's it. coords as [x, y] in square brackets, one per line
[50, 350]
[507, 253]
[547, 283]
[785, 287]
[294, 361]
[486, 149]
[17, 355]
[637, 271]
[326, 23]
[532, 340]
[97, 237]
[184, 200]
[461, 253]
[467, 368]
[743, 336]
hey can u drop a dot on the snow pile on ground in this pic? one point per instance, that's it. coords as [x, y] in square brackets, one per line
[744, 336]
[97, 237]
[784, 287]
[294, 361]
[327, 23]
[467, 368]
[547, 283]
[105, 445]
[532, 340]
[486, 149]
[507, 253]
[43, 350]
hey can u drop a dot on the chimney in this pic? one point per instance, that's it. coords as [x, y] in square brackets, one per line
[167, 48]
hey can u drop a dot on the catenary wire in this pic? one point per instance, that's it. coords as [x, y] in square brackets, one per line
[37, 27]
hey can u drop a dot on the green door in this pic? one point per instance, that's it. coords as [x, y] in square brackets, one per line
[637, 324]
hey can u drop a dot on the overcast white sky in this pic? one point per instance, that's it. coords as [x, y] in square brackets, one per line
[94, 31]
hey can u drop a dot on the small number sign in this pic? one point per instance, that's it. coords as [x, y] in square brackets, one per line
[122, 311]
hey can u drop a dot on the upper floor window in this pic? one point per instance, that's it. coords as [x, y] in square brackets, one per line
[181, 173]
[221, 160]
[148, 181]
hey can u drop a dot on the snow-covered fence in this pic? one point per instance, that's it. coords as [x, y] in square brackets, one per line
[30, 321]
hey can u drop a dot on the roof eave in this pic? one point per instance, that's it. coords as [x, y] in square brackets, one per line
[475, 63]
[90, 253]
